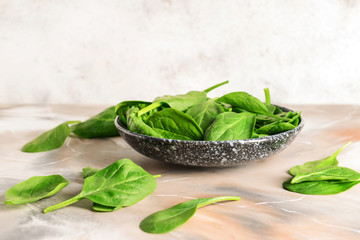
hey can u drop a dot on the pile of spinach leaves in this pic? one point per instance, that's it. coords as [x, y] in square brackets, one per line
[322, 177]
[190, 116]
[194, 116]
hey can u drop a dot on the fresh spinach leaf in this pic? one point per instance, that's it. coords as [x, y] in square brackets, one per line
[49, 140]
[325, 187]
[205, 113]
[181, 102]
[136, 124]
[122, 108]
[274, 128]
[331, 173]
[173, 124]
[231, 126]
[167, 220]
[101, 125]
[121, 184]
[88, 172]
[248, 103]
[312, 166]
[34, 189]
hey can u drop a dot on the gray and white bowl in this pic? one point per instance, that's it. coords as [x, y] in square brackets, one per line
[208, 153]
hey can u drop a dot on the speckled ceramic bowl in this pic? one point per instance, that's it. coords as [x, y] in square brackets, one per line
[208, 153]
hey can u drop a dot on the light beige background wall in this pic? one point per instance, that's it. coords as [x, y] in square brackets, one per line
[103, 52]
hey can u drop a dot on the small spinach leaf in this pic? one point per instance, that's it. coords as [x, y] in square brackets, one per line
[205, 113]
[34, 189]
[49, 140]
[167, 220]
[122, 108]
[101, 125]
[121, 184]
[274, 128]
[174, 124]
[312, 166]
[231, 126]
[136, 124]
[325, 187]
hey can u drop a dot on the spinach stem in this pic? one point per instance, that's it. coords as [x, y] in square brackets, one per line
[157, 176]
[342, 148]
[62, 204]
[215, 86]
[149, 108]
[218, 199]
[267, 96]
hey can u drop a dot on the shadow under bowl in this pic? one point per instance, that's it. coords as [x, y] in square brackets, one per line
[208, 153]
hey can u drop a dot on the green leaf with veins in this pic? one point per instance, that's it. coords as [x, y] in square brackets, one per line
[205, 113]
[34, 189]
[167, 220]
[101, 125]
[121, 184]
[173, 124]
[49, 140]
[231, 126]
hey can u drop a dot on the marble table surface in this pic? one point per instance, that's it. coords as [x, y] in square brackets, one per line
[265, 211]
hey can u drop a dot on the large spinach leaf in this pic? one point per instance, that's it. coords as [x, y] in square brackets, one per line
[50, 139]
[173, 124]
[205, 113]
[231, 126]
[101, 125]
[34, 189]
[121, 184]
[167, 220]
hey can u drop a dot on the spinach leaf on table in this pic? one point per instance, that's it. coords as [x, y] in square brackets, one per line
[88, 172]
[316, 165]
[101, 125]
[121, 184]
[34, 189]
[167, 220]
[205, 113]
[49, 140]
[174, 124]
[322, 177]
[231, 126]
[325, 187]
[331, 173]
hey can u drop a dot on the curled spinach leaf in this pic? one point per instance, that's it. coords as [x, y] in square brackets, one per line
[34, 189]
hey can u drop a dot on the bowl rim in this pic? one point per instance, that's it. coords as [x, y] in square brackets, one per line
[119, 125]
